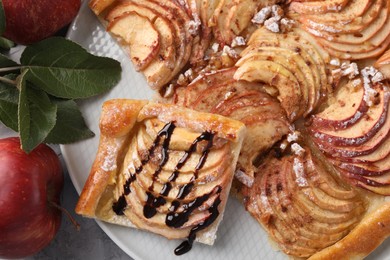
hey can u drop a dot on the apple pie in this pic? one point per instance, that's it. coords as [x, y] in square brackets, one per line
[162, 168]
[309, 79]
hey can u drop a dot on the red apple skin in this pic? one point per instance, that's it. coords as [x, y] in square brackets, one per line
[29, 21]
[29, 183]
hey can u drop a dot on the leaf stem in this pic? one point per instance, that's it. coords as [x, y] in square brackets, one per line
[8, 81]
[6, 69]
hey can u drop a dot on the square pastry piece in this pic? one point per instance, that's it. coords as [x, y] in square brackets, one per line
[162, 168]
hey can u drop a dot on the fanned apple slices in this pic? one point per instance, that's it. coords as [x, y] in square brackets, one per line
[301, 206]
[230, 17]
[349, 99]
[162, 168]
[383, 64]
[157, 34]
[359, 30]
[357, 141]
[318, 6]
[247, 102]
[292, 63]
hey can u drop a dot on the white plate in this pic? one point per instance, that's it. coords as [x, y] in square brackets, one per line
[239, 235]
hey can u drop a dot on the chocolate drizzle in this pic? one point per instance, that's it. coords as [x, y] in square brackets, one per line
[119, 206]
[174, 218]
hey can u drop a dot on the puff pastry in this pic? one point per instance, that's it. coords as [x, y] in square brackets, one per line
[162, 168]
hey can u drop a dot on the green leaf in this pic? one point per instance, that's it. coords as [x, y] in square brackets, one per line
[2, 18]
[64, 69]
[5, 43]
[70, 126]
[6, 62]
[36, 114]
[9, 98]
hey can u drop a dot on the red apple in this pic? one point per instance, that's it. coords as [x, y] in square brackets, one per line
[30, 187]
[29, 21]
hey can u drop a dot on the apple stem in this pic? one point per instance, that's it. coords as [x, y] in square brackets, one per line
[8, 81]
[63, 210]
[6, 69]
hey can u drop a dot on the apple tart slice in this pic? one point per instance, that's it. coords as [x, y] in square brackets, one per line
[383, 64]
[162, 168]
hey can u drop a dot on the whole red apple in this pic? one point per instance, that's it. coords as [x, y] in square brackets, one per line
[29, 21]
[30, 187]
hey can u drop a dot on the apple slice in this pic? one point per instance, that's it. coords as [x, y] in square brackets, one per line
[278, 76]
[132, 29]
[239, 17]
[372, 184]
[182, 25]
[363, 130]
[318, 7]
[302, 43]
[330, 28]
[377, 168]
[351, 151]
[383, 64]
[353, 9]
[294, 63]
[367, 40]
[126, 7]
[348, 98]
[231, 17]
[382, 151]
[99, 6]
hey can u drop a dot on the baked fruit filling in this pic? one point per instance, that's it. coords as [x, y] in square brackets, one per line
[310, 82]
[300, 204]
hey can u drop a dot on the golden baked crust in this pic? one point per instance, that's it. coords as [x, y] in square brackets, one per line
[162, 168]
[363, 239]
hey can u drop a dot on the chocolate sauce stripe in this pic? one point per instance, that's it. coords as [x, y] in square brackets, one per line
[120, 205]
[204, 178]
[203, 173]
[178, 155]
[140, 189]
[205, 206]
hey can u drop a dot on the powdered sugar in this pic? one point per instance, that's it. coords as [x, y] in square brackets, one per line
[227, 50]
[297, 149]
[335, 62]
[272, 19]
[370, 75]
[244, 178]
[349, 69]
[238, 41]
[215, 47]
[291, 137]
[299, 173]
[109, 163]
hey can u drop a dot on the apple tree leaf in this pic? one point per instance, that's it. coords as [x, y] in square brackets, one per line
[6, 44]
[36, 114]
[6, 62]
[64, 69]
[9, 98]
[70, 126]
